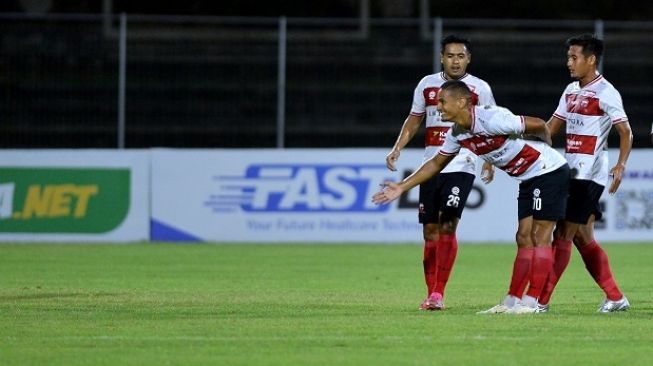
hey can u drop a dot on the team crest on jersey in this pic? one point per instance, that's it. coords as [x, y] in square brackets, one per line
[583, 104]
[430, 96]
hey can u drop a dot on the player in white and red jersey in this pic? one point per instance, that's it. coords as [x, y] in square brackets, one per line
[442, 199]
[590, 107]
[496, 135]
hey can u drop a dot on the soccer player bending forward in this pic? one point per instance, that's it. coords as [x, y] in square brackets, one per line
[495, 134]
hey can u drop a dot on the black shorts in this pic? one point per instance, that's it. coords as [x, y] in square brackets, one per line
[544, 197]
[583, 201]
[446, 193]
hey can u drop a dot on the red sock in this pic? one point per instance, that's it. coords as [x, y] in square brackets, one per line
[447, 251]
[430, 266]
[521, 269]
[596, 262]
[541, 267]
[562, 255]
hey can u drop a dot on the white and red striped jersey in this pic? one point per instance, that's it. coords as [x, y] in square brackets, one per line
[425, 102]
[495, 136]
[589, 113]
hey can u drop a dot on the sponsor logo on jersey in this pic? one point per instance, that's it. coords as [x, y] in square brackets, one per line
[520, 163]
[300, 188]
[435, 136]
[481, 145]
[580, 144]
[575, 122]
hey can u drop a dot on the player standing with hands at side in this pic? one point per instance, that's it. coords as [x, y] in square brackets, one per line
[590, 107]
[495, 134]
[442, 199]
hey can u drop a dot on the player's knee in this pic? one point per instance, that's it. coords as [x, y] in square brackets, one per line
[523, 238]
[581, 239]
[448, 222]
[431, 232]
[447, 227]
[558, 233]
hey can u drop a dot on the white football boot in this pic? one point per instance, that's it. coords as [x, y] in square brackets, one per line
[527, 305]
[502, 308]
[609, 306]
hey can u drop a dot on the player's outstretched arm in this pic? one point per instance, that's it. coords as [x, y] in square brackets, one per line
[537, 127]
[389, 192]
[625, 145]
[431, 167]
[554, 124]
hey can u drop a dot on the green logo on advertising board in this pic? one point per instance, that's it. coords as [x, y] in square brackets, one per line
[63, 200]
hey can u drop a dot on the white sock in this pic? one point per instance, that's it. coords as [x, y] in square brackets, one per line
[510, 301]
[529, 301]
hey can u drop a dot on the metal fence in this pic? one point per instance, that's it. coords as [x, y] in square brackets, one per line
[143, 81]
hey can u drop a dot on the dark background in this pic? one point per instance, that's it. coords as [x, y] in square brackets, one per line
[213, 84]
[549, 9]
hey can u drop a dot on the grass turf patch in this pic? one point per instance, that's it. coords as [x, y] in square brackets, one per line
[154, 304]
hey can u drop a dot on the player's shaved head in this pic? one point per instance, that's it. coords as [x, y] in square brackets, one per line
[457, 89]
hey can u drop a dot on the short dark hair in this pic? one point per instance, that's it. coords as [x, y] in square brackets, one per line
[452, 38]
[458, 89]
[590, 43]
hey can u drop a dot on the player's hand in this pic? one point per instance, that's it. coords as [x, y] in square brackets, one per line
[391, 158]
[390, 192]
[487, 172]
[617, 173]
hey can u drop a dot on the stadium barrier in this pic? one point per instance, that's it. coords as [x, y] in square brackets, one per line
[74, 195]
[264, 195]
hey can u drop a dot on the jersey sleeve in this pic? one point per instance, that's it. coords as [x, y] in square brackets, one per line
[613, 106]
[485, 96]
[504, 122]
[561, 111]
[451, 146]
[419, 105]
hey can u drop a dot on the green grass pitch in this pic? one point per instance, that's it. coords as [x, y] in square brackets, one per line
[310, 304]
